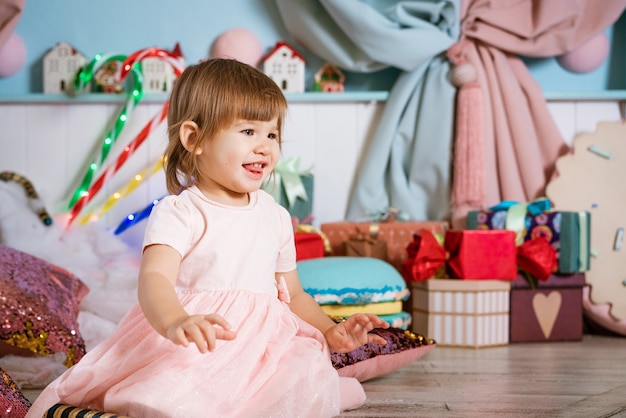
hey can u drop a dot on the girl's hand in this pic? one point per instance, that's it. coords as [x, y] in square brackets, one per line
[354, 332]
[201, 330]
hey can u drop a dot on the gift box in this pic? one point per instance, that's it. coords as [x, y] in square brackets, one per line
[292, 188]
[548, 310]
[567, 232]
[462, 313]
[308, 245]
[481, 254]
[397, 235]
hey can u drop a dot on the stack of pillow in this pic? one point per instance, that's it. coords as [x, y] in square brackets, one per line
[343, 286]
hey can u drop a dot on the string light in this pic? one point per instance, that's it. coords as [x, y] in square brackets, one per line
[126, 190]
[136, 217]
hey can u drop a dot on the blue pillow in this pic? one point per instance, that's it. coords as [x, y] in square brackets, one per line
[351, 280]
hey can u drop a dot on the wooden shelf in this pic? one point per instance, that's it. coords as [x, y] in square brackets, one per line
[160, 98]
[586, 95]
[313, 97]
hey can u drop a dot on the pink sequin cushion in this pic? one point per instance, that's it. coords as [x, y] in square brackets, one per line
[13, 403]
[374, 360]
[39, 303]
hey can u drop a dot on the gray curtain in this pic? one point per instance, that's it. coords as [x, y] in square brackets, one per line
[407, 164]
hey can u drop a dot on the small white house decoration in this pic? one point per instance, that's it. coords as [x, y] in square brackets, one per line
[60, 66]
[158, 74]
[285, 66]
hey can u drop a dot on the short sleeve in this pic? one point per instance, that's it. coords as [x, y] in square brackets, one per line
[170, 224]
[287, 253]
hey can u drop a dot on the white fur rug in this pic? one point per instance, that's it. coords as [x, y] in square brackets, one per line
[107, 265]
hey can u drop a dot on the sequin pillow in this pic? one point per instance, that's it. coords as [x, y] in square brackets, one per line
[39, 303]
[13, 403]
[374, 360]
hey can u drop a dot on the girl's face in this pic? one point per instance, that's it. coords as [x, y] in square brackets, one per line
[237, 160]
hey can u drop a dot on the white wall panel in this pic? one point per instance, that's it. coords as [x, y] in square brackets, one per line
[52, 143]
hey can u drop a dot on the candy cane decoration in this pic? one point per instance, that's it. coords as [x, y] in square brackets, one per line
[136, 57]
[133, 97]
[127, 66]
[130, 187]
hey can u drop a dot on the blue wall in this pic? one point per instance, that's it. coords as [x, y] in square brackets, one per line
[124, 26]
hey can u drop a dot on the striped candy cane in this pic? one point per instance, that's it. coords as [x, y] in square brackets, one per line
[129, 64]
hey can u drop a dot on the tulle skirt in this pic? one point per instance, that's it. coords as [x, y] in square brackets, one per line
[277, 366]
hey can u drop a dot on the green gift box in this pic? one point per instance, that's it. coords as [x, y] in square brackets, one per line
[567, 232]
[291, 188]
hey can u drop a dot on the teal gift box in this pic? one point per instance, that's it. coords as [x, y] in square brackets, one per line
[567, 232]
[292, 188]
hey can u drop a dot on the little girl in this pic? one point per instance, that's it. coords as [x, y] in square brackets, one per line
[223, 327]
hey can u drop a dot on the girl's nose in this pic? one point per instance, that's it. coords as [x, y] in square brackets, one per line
[263, 146]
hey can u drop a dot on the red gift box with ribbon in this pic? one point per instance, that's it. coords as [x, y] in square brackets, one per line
[478, 254]
[475, 255]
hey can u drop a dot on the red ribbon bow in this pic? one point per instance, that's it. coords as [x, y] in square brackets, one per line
[425, 257]
[537, 258]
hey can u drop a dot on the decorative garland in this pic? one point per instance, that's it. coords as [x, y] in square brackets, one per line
[31, 193]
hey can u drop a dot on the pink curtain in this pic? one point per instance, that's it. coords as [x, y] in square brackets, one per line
[10, 12]
[521, 141]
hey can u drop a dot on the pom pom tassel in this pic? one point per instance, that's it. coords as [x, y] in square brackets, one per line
[468, 185]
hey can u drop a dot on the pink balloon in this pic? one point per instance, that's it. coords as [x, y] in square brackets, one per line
[12, 56]
[588, 56]
[240, 44]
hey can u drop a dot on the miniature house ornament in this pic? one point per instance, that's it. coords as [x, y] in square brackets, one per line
[329, 79]
[60, 66]
[285, 66]
[158, 74]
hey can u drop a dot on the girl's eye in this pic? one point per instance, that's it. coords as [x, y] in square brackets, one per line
[273, 137]
[247, 132]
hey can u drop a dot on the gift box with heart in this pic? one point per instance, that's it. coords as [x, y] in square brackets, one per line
[549, 310]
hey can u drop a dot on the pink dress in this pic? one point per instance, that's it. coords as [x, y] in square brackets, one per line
[277, 366]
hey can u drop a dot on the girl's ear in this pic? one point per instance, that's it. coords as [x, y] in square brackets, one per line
[188, 133]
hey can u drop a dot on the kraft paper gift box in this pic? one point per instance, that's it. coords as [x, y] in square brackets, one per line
[362, 245]
[292, 188]
[397, 235]
[568, 232]
[462, 313]
[481, 254]
[548, 310]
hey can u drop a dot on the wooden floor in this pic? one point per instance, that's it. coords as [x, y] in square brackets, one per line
[563, 379]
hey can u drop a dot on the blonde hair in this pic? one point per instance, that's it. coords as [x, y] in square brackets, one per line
[214, 94]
